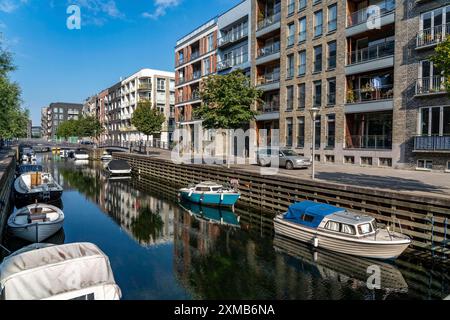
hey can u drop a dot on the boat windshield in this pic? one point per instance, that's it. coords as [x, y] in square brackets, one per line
[202, 189]
[375, 225]
[365, 228]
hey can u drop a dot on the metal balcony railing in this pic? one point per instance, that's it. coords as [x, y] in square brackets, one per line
[362, 15]
[268, 50]
[369, 142]
[269, 21]
[430, 85]
[269, 106]
[432, 36]
[145, 86]
[371, 53]
[432, 143]
[370, 94]
[194, 55]
[269, 78]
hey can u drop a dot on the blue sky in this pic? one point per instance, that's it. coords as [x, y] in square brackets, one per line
[117, 38]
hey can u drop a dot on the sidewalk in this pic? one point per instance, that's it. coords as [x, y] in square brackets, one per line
[408, 181]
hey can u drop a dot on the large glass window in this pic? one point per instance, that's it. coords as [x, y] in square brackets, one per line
[290, 66]
[331, 130]
[317, 124]
[331, 91]
[291, 34]
[291, 7]
[332, 55]
[288, 132]
[332, 17]
[302, 29]
[317, 59]
[161, 84]
[301, 63]
[300, 132]
[435, 121]
[289, 98]
[301, 96]
[317, 93]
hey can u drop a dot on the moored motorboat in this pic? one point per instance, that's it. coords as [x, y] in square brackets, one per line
[75, 271]
[339, 230]
[222, 216]
[118, 168]
[36, 222]
[36, 186]
[81, 155]
[106, 156]
[210, 193]
[24, 168]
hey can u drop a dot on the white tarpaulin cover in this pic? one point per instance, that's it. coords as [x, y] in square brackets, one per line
[68, 271]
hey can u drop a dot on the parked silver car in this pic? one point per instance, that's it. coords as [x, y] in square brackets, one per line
[287, 158]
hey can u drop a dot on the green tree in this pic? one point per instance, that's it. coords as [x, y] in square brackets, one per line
[147, 120]
[89, 126]
[13, 118]
[227, 101]
[441, 59]
[67, 129]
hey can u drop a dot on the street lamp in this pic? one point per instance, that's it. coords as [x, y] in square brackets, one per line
[313, 111]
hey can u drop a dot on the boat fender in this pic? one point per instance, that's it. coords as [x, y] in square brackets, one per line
[316, 242]
[221, 197]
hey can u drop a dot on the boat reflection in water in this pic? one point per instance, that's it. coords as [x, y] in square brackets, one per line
[223, 216]
[344, 268]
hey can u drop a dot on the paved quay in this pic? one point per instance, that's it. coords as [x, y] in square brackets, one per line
[405, 181]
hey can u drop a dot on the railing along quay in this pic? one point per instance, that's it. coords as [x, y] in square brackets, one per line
[423, 218]
[7, 175]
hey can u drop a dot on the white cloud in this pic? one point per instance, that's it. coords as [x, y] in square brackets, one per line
[9, 6]
[161, 7]
[97, 12]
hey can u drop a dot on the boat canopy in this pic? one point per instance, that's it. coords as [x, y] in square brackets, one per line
[43, 271]
[310, 213]
[29, 168]
[118, 165]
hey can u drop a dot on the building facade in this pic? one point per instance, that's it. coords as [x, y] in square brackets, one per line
[36, 132]
[57, 113]
[363, 64]
[115, 105]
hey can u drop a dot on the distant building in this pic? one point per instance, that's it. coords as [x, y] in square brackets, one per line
[29, 125]
[57, 113]
[44, 122]
[36, 132]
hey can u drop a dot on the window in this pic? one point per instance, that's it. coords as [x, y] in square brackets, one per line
[318, 20]
[302, 29]
[329, 158]
[206, 66]
[161, 84]
[333, 226]
[291, 7]
[317, 59]
[331, 91]
[348, 229]
[210, 42]
[289, 98]
[332, 55]
[317, 93]
[317, 136]
[301, 95]
[365, 228]
[302, 63]
[332, 18]
[300, 132]
[290, 66]
[317, 157]
[288, 132]
[431, 22]
[366, 161]
[291, 35]
[331, 129]
[425, 164]
[301, 4]
[349, 159]
[385, 162]
[434, 121]
[448, 166]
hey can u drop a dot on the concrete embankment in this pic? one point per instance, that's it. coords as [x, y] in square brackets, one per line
[423, 218]
[7, 174]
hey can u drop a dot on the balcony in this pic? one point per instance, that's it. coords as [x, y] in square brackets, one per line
[432, 36]
[194, 55]
[358, 21]
[145, 87]
[370, 99]
[269, 110]
[432, 144]
[380, 142]
[430, 86]
[180, 62]
[268, 53]
[232, 62]
[269, 81]
[232, 37]
[268, 24]
[371, 58]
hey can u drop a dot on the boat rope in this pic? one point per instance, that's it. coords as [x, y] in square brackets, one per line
[6, 249]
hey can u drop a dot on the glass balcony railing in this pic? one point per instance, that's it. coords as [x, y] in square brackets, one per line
[269, 106]
[361, 16]
[371, 53]
[145, 86]
[231, 62]
[369, 142]
[268, 50]
[269, 78]
[430, 85]
[370, 93]
[433, 36]
[269, 21]
[232, 37]
[432, 143]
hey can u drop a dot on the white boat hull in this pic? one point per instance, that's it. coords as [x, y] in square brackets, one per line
[119, 171]
[81, 156]
[29, 233]
[342, 244]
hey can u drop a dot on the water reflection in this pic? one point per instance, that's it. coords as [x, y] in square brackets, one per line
[183, 251]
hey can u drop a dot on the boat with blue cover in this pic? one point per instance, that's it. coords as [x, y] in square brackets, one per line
[211, 194]
[334, 228]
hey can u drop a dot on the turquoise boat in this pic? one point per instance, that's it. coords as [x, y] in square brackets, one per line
[210, 194]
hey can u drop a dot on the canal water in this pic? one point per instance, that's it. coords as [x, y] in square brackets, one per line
[161, 249]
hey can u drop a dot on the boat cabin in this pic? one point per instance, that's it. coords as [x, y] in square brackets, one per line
[330, 218]
[208, 186]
